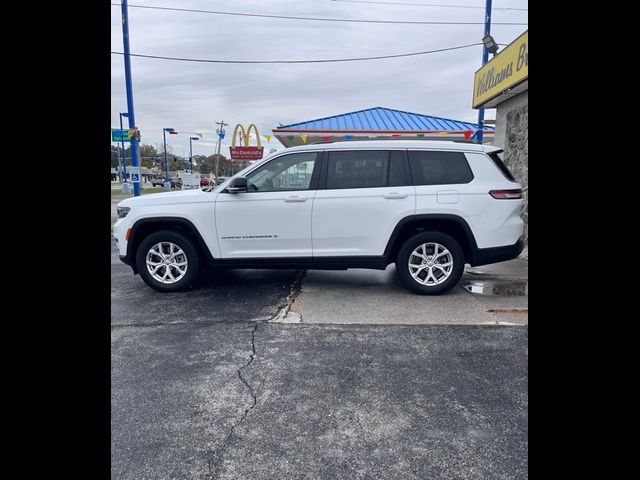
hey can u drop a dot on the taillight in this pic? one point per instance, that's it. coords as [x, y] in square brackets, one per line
[506, 194]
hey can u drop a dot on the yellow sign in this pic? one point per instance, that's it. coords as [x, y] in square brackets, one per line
[506, 69]
[245, 135]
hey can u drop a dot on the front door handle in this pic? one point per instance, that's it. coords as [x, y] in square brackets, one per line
[294, 198]
[394, 195]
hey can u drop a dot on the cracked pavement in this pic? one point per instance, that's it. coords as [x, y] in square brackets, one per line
[214, 391]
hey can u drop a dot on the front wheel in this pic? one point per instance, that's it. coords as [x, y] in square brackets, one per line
[430, 263]
[167, 261]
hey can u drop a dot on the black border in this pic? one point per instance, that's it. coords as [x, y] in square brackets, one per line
[63, 247]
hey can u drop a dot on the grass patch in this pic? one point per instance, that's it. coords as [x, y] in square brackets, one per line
[144, 191]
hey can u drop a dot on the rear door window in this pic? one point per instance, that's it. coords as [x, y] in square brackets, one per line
[365, 169]
[439, 168]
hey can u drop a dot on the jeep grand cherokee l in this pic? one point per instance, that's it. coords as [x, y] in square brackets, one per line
[427, 206]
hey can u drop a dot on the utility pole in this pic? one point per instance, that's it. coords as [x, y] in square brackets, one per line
[220, 131]
[135, 154]
[485, 58]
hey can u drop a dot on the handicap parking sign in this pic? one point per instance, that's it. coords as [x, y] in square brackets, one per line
[135, 174]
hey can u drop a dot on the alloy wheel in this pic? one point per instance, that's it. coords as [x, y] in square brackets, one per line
[166, 262]
[430, 264]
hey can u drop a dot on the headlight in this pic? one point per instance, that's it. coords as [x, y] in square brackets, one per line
[122, 211]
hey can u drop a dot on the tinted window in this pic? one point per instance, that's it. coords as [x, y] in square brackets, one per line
[289, 172]
[439, 168]
[497, 160]
[397, 169]
[357, 169]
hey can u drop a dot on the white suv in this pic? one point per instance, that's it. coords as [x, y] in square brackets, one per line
[427, 206]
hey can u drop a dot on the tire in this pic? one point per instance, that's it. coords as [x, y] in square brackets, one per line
[188, 255]
[436, 276]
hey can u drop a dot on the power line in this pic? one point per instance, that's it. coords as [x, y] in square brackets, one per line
[180, 59]
[429, 5]
[317, 19]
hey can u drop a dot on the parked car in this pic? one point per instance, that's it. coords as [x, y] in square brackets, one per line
[176, 182]
[221, 180]
[206, 182]
[427, 206]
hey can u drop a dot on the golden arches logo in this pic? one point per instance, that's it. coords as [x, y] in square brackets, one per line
[245, 135]
[245, 152]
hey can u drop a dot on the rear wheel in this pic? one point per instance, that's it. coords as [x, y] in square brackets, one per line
[167, 261]
[430, 263]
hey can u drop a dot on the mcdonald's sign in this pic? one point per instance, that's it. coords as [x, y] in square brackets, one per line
[245, 152]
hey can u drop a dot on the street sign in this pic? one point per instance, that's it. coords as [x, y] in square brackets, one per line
[190, 180]
[135, 174]
[118, 135]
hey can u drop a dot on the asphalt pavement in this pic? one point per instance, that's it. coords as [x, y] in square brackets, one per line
[194, 401]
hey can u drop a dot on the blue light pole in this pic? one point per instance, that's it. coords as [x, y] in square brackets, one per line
[124, 162]
[135, 154]
[485, 57]
[191, 152]
[166, 159]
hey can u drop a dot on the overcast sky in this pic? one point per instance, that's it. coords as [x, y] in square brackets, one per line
[190, 97]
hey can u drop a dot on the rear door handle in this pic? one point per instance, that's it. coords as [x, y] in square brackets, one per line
[294, 198]
[394, 195]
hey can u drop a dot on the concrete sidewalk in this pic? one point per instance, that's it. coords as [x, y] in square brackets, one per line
[360, 296]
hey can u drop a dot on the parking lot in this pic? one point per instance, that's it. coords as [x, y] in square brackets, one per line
[320, 374]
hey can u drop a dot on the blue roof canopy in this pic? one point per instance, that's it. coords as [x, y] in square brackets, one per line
[380, 118]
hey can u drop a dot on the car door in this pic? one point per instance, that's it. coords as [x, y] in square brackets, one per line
[361, 198]
[273, 218]
[441, 180]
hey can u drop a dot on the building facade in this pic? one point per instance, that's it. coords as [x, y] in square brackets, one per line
[503, 84]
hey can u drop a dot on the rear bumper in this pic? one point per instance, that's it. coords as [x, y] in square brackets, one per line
[485, 256]
[126, 260]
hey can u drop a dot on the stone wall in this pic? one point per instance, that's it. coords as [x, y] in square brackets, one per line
[512, 134]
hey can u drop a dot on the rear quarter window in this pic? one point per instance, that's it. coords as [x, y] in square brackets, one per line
[439, 168]
[496, 157]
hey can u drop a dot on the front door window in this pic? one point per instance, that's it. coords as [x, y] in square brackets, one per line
[286, 173]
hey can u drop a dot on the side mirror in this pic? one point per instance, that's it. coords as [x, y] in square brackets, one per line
[237, 185]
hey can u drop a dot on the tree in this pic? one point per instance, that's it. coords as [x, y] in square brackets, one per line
[147, 154]
[201, 165]
[224, 167]
[115, 156]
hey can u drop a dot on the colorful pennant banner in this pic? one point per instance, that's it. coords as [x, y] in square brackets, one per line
[468, 135]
